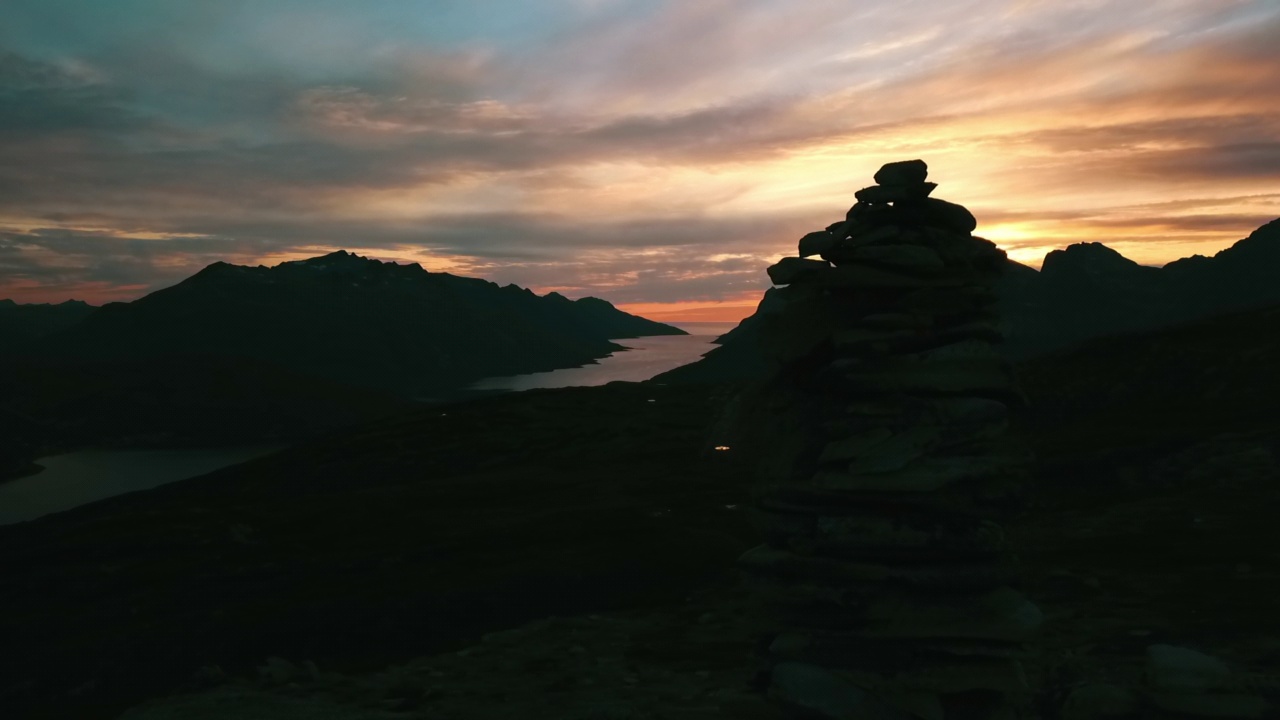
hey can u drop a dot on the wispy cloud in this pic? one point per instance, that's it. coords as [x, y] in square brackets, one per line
[648, 152]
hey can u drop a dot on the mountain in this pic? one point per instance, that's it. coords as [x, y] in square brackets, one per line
[428, 546]
[23, 323]
[1082, 292]
[358, 321]
[1089, 290]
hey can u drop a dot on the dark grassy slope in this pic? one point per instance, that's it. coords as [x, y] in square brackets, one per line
[181, 400]
[239, 354]
[412, 536]
[1156, 497]
[21, 323]
[402, 538]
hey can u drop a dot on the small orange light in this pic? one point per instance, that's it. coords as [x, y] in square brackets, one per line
[722, 448]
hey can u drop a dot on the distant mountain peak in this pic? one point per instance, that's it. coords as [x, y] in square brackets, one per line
[340, 258]
[1271, 229]
[1090, 257]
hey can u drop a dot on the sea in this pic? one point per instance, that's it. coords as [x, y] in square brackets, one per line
[644, 358]
[76, 478]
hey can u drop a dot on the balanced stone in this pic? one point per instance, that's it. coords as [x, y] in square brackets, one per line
[903, 172]
[941, 214]
[906, 257]
[858, 276]
[894, 193]
[817, 242]
[917, 475]
[789, 269]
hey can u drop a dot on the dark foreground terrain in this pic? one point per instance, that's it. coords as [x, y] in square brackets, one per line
[599, 529]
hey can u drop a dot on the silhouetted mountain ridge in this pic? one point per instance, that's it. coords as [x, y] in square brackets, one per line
[357, 320]
[21, 323]
[1082, 292]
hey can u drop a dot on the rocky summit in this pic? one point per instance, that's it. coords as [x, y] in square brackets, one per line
[884, 474]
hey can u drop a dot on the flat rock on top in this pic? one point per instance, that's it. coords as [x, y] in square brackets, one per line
[904, 172]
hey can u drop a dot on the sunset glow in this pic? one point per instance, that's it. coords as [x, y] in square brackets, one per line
[657, 154]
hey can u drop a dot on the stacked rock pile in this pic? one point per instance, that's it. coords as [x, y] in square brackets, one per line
[885, 573]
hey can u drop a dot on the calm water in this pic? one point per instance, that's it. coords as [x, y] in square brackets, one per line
[647, 357]
[81, 477]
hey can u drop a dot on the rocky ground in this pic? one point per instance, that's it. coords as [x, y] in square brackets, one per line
[565, 554]
[1190, 565]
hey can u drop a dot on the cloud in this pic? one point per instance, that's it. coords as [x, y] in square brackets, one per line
[615, 147]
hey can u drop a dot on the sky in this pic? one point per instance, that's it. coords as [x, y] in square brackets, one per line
[659, 154]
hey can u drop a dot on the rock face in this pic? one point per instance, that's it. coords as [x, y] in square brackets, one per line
[877, 439]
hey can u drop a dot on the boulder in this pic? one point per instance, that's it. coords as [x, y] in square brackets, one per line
[940, 214]
[876, 194]
[903, 172]
[790, 269]
[825, 694]
[1171, 668]
[866, 277]
[906, 257]
[1001, 614]
[1211, 705]
[1100, 701]
[817, 242]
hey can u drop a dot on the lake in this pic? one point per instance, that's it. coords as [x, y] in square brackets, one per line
[73, 479]
[76, 478]
[647, 356]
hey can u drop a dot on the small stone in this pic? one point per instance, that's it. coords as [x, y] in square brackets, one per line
[817, 242]
[895, 193]
[1212, 705]
[919, 475]
[1179, 669]
[864, 442]
[897, 321]
[791, 269]
[903, 172]
[866, 277]
[1100, 701]
[1001, 614]
[931, 577]
[875, 454]
[872, 236]
[864, 216]
[278, 671]
[978, 376]
[908, 257]
[817, 690]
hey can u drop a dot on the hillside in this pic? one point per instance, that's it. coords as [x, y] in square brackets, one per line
[20, 324]
[357, 321]
[1151, 519]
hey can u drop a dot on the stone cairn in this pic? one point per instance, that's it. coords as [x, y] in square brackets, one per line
[879, 441]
